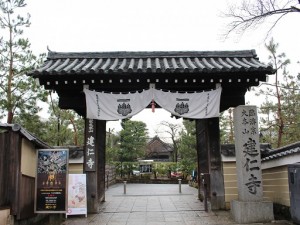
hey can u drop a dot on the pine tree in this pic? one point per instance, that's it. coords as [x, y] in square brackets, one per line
[64, 127]
[18, 92]
[187, 147]
[279, 113]
[133, 140]
[226, 127]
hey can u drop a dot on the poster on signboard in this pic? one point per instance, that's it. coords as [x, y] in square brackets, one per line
[51, 181]
[77, 202]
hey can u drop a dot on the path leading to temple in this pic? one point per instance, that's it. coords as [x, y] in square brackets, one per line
[153, 204]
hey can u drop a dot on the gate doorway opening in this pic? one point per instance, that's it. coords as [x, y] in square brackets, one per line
[147, 146]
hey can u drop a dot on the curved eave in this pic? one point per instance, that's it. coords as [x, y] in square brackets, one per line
[165, 65]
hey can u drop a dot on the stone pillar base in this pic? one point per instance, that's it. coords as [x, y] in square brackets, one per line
[252, 212]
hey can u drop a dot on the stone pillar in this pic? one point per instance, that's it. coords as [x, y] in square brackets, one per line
[209, 160]
[94, 163]
[250, 207]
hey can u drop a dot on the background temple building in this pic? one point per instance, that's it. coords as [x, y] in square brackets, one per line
[158, 150]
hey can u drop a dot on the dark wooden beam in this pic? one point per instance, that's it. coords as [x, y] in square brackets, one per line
[209, 162]
[202, 156]
[96, 179]
[217, 190]
[101, 143]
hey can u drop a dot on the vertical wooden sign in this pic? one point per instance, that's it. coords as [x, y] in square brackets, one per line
[90, 159]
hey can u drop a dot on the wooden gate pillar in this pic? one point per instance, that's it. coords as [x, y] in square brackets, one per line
[202, 155]
[94, 163]
[209, 161]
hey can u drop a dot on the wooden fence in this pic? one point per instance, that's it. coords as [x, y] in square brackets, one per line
[26, 197]
[110, 175]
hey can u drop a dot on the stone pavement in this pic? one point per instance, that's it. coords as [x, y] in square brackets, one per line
[154, 204]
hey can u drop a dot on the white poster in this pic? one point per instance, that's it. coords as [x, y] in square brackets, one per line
[77, 202]
[109, 106]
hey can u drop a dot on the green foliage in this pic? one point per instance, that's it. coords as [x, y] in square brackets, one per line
[133, 140]
[167, 167]
[18, 92]
[290, 106]
[65, 127]
[112, 147]
[62, 128]
[172, 166]
[186, 166]
[125, 168]
[226, 127]
[188, 147]
[160, 169]
[128, 167]
[163, 169]
[280, 111]
[33, 124]
[112, 153]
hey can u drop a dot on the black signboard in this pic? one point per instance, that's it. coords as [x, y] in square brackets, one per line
[90, 157]
[51, 181]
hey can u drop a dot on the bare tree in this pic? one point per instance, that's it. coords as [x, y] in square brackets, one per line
[173, 132]
[249, 14]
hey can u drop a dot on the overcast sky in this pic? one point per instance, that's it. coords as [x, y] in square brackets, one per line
[147, 25]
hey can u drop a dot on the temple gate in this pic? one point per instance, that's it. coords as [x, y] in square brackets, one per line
[123, 72]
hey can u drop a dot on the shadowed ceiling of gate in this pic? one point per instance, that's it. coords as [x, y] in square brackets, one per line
[68, 72]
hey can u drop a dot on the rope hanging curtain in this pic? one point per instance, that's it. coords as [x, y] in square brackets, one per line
[110, 106]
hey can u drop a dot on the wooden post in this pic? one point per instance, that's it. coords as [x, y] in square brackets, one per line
[94, 163]
[202, 155]
[216, 169]
[101, 143]
[209, 161]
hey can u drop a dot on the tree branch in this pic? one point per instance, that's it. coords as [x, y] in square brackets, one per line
[250, 14]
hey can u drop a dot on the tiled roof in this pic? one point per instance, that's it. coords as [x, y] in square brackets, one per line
[281, 152]
[158, 146]
[151, 62]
